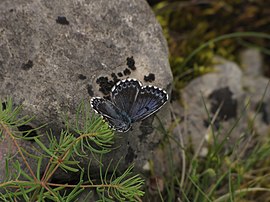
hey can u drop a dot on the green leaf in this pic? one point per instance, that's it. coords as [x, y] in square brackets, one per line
[44, 148]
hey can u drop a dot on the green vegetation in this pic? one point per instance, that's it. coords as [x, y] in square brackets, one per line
[196, 31]
[29, 184]
[228, 171]
[189, 24]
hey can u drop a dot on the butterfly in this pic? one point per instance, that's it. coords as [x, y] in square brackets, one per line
[130, 102]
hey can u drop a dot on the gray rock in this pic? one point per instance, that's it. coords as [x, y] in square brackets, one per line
[53, 54]
[257, 89]
[9, 155]
[220, 86]
[251, 61]
[229, 95]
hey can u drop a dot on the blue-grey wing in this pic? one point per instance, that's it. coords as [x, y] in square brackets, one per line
[117, 119]
[124, 94]
[148, 101]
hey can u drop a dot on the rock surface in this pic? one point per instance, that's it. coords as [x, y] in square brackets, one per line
[232, 97]
[54, 54]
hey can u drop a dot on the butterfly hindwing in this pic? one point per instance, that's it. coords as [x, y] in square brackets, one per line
[124, 94]
[130, 102]
[116, 118]
[149, 100]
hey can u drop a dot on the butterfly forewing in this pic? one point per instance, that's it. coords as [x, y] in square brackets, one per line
[116, 118]
[149, 100]
[130, 102]
[124, 94]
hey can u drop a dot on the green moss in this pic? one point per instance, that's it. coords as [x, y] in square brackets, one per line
[187, 25]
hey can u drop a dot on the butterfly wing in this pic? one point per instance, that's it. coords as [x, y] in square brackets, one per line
[117, 119]
[124, 94]
[148, 101]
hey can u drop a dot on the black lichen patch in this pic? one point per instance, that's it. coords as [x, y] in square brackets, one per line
[129, 158]
[27, 131]
[115, 78]
[131, 63]
[28, 65]
[4, 105]
[223, 97]
[90, 90]
[105, 85]
[127, 72]
[120, 74]
[216, 124]
[150, 77]
[82, 77]
[261, 108]
[62, 20]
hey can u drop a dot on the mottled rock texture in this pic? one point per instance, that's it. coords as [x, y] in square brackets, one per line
[54, 54]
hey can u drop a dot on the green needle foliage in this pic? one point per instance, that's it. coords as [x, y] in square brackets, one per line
[87, 134]
[9, 116]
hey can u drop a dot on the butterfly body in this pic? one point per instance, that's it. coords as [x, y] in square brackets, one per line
[130, 102]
